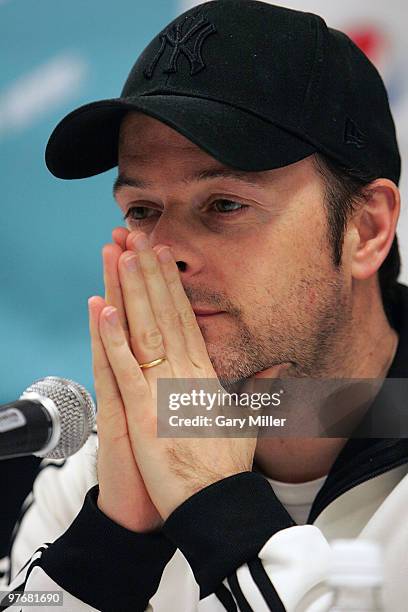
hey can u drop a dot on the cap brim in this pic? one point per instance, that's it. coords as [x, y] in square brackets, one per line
[85, 142]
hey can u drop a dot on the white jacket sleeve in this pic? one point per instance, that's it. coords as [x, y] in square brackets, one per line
[243, 548]
[66, 545]
[246, 552]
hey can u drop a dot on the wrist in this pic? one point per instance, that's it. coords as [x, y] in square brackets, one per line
[170, 504]
[126, 517]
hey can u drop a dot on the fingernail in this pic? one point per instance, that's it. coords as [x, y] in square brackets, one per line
[165, 255]
[140, 242]
[131, 263]
[111, 315]
[90, 300]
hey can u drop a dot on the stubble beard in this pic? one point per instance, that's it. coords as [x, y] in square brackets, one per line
[308, 336]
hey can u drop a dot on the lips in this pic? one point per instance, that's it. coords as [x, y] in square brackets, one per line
[200, 312]
[206, 314]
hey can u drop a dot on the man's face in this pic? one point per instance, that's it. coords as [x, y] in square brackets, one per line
[253, 245]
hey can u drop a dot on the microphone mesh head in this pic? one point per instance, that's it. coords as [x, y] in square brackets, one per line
[76, 410]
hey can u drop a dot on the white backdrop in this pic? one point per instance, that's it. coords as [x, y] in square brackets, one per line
[379, 28]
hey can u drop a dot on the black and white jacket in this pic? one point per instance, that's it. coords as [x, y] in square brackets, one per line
[231, 546]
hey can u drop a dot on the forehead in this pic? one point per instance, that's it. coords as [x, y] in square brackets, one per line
[145, 142]
[148, 144]
[141, 134]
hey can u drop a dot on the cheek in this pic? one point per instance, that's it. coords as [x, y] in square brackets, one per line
[311, 296]
[242, 269]
[273, 262]
[252, 271]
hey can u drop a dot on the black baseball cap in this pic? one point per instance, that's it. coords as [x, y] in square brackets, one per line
[256, 86]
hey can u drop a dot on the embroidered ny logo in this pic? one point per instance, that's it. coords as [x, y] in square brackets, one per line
[198, 32]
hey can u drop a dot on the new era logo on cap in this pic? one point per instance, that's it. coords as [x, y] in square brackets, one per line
[353, 135]
[187, 37]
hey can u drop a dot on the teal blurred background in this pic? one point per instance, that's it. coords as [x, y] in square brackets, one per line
[55, 56]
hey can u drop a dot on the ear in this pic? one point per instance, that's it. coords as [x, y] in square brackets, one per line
[373, 228]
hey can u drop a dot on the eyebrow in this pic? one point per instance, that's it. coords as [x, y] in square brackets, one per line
[202, 175]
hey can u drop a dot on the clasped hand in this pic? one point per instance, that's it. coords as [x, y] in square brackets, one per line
[146, 315]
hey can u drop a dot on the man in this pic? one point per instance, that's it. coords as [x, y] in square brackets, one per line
[232, 136]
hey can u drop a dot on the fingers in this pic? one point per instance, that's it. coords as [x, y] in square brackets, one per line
[194, 344]
[113, 290]
[129, 246]
[153, 321]
[151, 299]
[193, 338]
[119, 235]
[110, 414]
[132, 385]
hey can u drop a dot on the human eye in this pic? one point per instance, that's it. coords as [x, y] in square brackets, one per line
[224, 201]
[135, 215]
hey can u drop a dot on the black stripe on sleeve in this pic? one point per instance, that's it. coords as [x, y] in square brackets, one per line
[265, 585]
[21, 587]
[226, 598]
[222, 526]
[27, 504]
[24, 509]
[39, 549]
[106, 565]
[243, 605]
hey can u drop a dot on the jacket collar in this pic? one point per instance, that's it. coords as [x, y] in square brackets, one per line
[363, 458]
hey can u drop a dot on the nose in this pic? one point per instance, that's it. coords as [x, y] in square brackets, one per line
[182, 266]
[179, 236]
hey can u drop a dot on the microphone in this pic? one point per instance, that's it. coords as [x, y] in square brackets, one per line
[53, 418]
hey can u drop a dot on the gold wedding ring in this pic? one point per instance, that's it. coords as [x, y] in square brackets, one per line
[151, 364]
